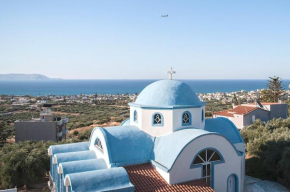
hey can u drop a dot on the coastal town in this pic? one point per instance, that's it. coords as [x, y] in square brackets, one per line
[33, 102]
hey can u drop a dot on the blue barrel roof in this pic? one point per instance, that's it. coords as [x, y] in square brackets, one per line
[114, 179]
[128, 145]
[83, 166]
[224, 127]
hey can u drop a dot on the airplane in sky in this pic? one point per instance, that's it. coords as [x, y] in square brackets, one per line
[164, 15]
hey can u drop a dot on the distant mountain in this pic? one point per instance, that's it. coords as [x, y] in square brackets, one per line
[22, 77]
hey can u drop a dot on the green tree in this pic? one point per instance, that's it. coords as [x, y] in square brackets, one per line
[5, 132]
[268, 143]
[235, 100]
[274, 91]
[23, 162]
[284, 165]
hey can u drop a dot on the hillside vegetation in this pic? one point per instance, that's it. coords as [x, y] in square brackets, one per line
[268, 145]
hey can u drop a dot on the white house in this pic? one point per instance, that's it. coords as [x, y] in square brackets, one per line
[165, 145]
[246, 114]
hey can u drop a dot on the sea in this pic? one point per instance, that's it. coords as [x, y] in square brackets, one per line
[75, 87]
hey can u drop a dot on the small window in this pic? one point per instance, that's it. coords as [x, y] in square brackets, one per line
[206, 156]
[98, 144]
[186, 118]
[135, 116]
[157, 119]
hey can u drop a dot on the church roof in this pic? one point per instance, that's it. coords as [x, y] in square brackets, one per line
[82, 166]
[167, 94]
[65, 148]
[224, 127]
[128, 145]
[114, 179]
[166, 150]
[146, 178]
[74, 156]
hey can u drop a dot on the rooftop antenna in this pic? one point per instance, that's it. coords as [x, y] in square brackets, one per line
[171, 72]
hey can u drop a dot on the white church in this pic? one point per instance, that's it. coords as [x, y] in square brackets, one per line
[165, 145]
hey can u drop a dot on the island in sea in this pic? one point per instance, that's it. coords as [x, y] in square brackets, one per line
[23, 77]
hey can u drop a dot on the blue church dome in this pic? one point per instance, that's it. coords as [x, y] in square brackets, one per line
[168, 94]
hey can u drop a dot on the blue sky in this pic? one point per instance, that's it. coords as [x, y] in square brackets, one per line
[101, 39]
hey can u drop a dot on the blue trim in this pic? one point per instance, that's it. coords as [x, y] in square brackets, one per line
[135, 116]
[162, 119]
[123, 122]
[190, 117]
[167, 107]
[106, 141]
[212, 164]
[236, 182]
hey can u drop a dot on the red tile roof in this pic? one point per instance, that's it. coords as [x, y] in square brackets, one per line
[240, 110]
[243, 110]
[224, 113]
[145, 178]
[265, 103]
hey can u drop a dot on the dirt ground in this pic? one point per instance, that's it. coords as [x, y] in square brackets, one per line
[83, 129]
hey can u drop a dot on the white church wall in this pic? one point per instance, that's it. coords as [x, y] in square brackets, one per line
[156, 130]
[196, 118]
[137, 123]
[100, 154]
[164, 174]
[181, 170]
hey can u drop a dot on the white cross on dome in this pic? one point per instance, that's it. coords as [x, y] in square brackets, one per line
[171, 72]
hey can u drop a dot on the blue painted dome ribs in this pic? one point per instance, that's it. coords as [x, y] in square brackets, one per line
[83, 166]
[66, 148]
[168, 93]
[114, 179]
[75, 156]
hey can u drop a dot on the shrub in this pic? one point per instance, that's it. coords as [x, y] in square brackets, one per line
[75, 133]
[269, 144]
[23, 162]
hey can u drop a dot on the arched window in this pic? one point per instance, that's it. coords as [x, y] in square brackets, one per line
[205, 159]
[202, 115]
[186, 118]
[98, 144]
[135, 116]
[157, 119]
